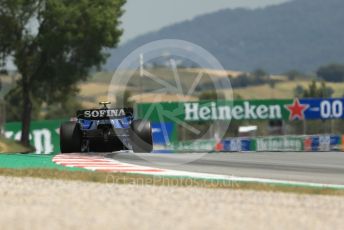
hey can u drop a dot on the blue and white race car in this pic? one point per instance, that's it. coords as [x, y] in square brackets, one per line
[106, 130]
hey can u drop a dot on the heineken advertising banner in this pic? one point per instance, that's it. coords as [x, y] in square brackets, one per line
[44, 135]
[284, 143]
[194, 145]
[286, 109]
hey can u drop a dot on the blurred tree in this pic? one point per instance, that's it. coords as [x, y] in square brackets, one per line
[261, 76]
[211, 95]
[299, 91]
[123, 99]
[272, 83]
[237, 96]
[292, 75]
[314, 91]
[243, 80]
[54, 43]
[3, 72]
[247, 79]
[260, 73]
[64, 107]
[14, 105]
[331, 73]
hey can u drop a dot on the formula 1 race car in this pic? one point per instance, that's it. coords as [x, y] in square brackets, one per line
[106, 130]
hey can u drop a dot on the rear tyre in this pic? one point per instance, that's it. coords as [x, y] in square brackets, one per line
[141, 136]
[70, 137]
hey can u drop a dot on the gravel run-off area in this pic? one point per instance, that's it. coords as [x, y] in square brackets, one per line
[28, 203]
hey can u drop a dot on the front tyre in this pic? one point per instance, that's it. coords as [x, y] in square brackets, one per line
[141, 136]
[70, 137]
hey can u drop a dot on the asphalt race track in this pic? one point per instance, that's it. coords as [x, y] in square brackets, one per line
[317, 167]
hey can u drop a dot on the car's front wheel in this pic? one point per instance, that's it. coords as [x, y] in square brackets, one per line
[141, 136]
[70, 137]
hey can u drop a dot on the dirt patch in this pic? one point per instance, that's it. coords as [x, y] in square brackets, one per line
[28, 203]
[9, 146]
[66, 173]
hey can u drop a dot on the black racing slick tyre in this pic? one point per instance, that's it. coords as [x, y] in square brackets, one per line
[70, 137]
[141, 136]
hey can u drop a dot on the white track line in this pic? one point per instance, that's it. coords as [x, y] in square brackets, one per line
[96, 163]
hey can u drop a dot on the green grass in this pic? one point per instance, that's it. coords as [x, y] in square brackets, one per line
[27, 161]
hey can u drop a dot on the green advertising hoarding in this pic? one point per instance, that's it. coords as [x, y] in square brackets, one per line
[183, 114]
[215, 110]
[44, 135]
[280, 109]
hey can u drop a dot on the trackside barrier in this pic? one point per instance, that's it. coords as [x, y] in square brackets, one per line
[284, 143]
[195, 145]
[235, 145]
[44, 135]
[295, 143]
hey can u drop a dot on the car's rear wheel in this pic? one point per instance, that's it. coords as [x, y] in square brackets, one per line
[141, 136]
[70, 137]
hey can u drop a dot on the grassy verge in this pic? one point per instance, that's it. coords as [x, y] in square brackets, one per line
[32, 161]
[9, 146]
[141, 180]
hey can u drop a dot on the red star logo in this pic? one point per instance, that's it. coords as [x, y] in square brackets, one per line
[296, 110]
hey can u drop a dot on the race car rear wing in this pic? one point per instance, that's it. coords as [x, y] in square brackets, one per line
[107, 113]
